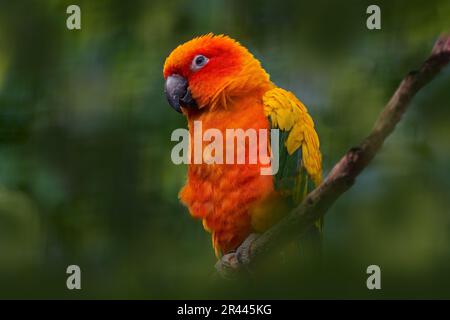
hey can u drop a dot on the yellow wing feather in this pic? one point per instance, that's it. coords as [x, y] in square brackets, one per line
[288, 113]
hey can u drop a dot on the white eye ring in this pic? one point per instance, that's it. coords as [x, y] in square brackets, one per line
[199, 62]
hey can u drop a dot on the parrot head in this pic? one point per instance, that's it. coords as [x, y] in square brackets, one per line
[209, 69]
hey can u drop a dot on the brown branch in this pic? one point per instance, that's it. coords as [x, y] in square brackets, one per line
[344, 173]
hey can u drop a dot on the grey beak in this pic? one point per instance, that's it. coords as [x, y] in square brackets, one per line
[177, 92]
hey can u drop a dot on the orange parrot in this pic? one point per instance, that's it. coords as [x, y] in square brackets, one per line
[215, 80]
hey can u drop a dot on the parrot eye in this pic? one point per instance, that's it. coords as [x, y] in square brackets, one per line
[198, 62]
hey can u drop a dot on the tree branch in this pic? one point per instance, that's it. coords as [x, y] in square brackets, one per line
[344, 173]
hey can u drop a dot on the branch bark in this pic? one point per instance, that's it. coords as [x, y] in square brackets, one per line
[344, 173]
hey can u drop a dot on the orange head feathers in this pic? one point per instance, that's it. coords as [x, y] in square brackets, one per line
[210, 68]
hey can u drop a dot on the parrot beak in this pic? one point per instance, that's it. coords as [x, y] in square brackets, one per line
[177, 92]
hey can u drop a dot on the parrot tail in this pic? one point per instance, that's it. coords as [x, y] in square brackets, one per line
[311, 241]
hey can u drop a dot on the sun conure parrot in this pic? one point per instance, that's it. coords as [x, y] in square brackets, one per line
[216, 80]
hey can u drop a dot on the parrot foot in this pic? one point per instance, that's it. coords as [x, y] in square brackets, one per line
[243, 253]
[227, 265]
[230, 264]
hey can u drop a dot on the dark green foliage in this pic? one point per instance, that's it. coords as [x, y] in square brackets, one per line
[85, 170]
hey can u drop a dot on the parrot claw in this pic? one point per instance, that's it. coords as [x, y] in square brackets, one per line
[227, 265]
[243, 253]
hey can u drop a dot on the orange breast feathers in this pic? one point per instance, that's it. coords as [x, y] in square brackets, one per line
[225, 195]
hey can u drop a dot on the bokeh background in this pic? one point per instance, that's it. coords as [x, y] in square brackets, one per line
[85, 170]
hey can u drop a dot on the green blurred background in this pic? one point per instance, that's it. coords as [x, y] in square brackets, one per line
[85, 170]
